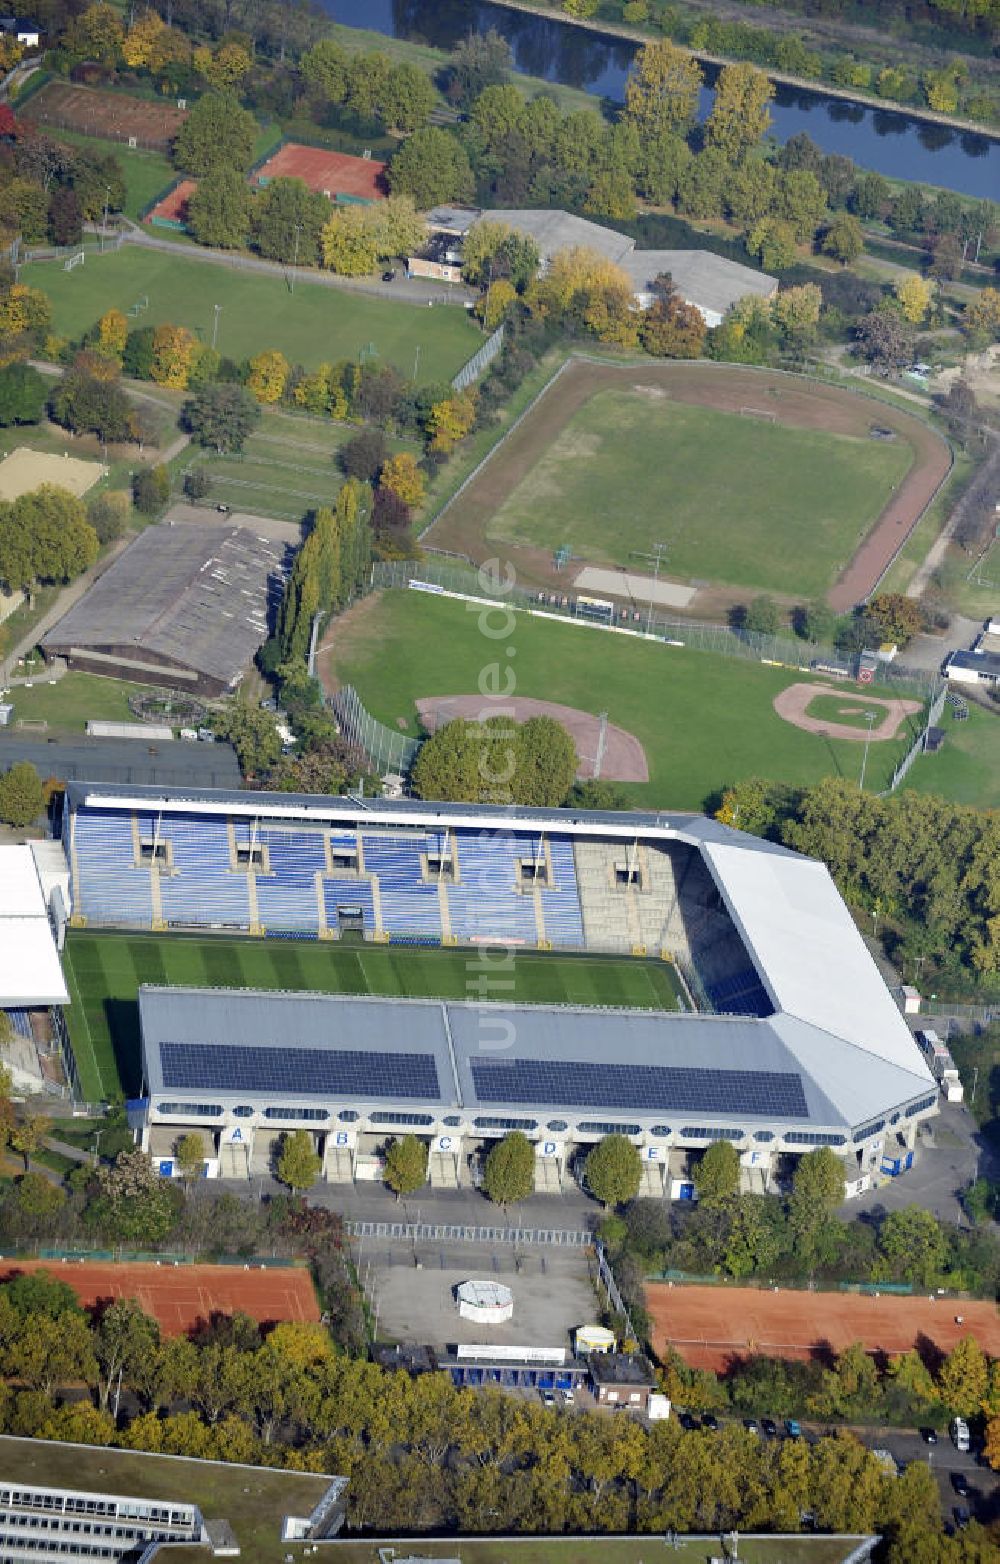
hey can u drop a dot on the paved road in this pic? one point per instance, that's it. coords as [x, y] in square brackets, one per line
[939, 1171]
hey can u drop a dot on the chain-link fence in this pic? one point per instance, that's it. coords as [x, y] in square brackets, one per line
[479, 362]
[920, 742]
[644, 620]
[388, 751]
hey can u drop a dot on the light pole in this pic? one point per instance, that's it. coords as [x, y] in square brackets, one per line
[416, 363]
[318, 618]
[869, 718]
[295, 256]
[215, 323]
[657, 556]
[104, 224]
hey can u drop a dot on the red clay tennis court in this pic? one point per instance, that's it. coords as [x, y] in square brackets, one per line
[173, 208]
[709, 1326]
[181, 1295]
[330, 173]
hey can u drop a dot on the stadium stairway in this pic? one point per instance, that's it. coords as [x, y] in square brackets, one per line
[234, 1160]
[600, 899]
[548, 1180]
[651, 1180]
[338, 1166]
[442, 1168]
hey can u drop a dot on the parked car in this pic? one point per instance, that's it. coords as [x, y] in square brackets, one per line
[960, 1483]
[770, 1427]
[929, 1436]
[569, 1399]
[960, 1435]
[751, 1425]
[688, 1421]
[711, 1422]
[792, 1429]
[962, 1516]
[548, 1399]
[389, 276]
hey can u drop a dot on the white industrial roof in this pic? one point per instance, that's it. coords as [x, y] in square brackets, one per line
[30, 970]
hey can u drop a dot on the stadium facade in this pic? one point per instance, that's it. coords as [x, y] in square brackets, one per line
[789, 1039]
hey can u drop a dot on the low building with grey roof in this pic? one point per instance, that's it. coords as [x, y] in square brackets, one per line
[182, 607]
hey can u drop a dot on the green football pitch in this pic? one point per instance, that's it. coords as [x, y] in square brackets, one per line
[739, 500]
[104, 971]
[704, 720]
[314, 324]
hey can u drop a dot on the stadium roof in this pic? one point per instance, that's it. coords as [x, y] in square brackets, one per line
[30, 970]
[188, 597]
[701, 277]
[124, 762]
[835, 1021]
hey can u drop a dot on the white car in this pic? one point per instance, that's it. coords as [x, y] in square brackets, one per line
[548, 1400]
[569, 1398]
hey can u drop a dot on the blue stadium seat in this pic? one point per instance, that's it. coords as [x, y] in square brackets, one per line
[109, 886]
[410, 904]
[202, 887]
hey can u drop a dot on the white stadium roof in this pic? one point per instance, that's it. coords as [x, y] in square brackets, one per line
[30, 970]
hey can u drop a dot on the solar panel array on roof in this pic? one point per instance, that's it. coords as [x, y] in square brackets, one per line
[578, 1084]
[346, 1072]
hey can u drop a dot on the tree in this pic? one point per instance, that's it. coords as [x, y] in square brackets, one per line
[740, 117]
[497, 761]
[672, 328]
[870, 196]
[451, 420]
[914, 295]
[65, 216]
[31, 1129]
[21, 796]
[151, 489]
[323, 69]
[432, 167]
[493, 250]
[844, 238]
[478, 61]
[125, 1340]
[218, 133]
[403, 476]
[173, 356]
[763, 616]
[298, 1164]
[364, 454]
[795, 311]
[221, 416]
[268, 376]
[405, 1165]
[288, 219]
[92, 404]
[509, 1174]
[662, 88]
[981, 317]
[224, 69]
[963, 1378]
[960, 409]
[189, 1154]
[23, 395]
[717, 1176]
[884, 341]
[218, 211]
[817, 1190]
[773, 241]
[613, 1170]
[896, 617]
[913, 1242]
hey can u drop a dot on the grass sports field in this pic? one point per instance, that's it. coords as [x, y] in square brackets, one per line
[753, 480]
[104, 971]
[603, 1550]
[740, 500]
[313, 324]
[967, 767]
[287, 467]
[704, 720]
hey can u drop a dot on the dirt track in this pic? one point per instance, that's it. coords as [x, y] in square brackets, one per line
[624, 759]
[710, 1326]
[795, 400]
[793, 705]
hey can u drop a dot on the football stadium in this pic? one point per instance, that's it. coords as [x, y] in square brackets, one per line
[784, 1037]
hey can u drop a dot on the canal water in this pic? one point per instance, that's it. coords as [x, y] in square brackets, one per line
[894, 144]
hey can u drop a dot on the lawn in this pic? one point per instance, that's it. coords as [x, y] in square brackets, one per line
[313, 324]
[604, 1550]
[287, 467]
[705, 720]
[737, 500]
[72, 701]
[967, 767]
[104, 971]
[252, 1499]
[146, 173]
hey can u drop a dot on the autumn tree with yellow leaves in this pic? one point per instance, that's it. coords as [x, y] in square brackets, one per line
[268, 375]
[451, 420]
[402, 475]
[174, 354]
[583, 282]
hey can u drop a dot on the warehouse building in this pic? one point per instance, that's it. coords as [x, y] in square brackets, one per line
[185, 607]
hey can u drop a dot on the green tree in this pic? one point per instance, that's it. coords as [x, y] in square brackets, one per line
[39, 1201]
[509, 1174]
[189, 1153]
[844, 239]
[914, 1244]
[740, 116]
[432, 167]
[479, 60]
[405, 1165]
[23, 395]
[93, 404]
[963, 1378]
[132, 1202]
[773, 241]
[298, 1164]
[817, 1190]
[22, 798]
[218, 133]
[151, 489]
[613, 1170]
[288, 219]
[529, 763]
[219, 210]
[662, 89]
[251, 732]
[323, 69]
[493, 251]
[39, 1292]
[870, 196]
[221, 416]
[125, 1339]
[48, 1352]
[717, 1176]
[763, 616]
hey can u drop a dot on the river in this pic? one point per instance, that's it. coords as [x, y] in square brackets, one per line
[894, 144]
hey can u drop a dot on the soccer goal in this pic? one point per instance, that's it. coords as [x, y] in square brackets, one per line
[74, 260]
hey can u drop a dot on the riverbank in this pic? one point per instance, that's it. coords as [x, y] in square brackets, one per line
[640, 36]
